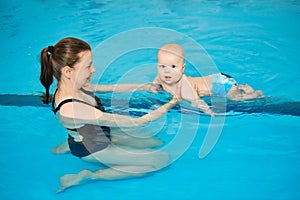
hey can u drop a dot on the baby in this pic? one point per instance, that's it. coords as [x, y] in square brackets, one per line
[171, 78]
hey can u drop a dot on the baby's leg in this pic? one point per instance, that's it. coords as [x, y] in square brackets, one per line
[244, 92]
[244, 88]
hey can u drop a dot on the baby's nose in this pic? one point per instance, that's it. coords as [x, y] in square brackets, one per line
[167, 69]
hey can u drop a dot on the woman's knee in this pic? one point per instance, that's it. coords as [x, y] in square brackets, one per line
[161, 159]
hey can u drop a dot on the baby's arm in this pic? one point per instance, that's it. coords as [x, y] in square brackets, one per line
[188, 92]
[202, 105]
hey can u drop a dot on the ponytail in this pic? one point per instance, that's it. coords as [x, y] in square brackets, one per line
[46, 76]
[54, 58]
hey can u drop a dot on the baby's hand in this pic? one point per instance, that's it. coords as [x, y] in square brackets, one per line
[153, 91]
[154, 88]
[209, 112]
[176, 99]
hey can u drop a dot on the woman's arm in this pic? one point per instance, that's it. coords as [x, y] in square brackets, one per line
[126, 121]
[119, 88]
[156, 85]
[75, 114]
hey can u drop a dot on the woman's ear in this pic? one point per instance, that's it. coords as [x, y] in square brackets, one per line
[66, 72]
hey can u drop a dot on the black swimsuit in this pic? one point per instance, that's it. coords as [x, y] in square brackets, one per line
[94, 138]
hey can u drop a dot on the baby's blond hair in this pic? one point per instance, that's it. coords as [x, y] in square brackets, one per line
[172, 48]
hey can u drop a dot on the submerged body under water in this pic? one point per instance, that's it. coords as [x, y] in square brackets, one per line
[255, 157]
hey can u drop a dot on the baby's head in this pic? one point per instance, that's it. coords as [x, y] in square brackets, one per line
[171, 64]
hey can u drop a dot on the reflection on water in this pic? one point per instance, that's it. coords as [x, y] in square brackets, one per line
[140, 104]
[241, 36]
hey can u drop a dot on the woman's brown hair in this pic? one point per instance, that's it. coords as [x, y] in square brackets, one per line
[54, 58]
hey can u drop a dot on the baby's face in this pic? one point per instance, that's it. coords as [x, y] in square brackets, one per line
[170, 67]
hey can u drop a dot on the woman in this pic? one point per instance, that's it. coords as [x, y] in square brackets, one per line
[88, 125]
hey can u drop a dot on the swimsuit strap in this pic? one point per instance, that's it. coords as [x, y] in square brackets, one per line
[68, 101]
[97, 99]
[73, 100]
[87, 92]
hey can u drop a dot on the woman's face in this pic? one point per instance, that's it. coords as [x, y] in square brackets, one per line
[83, 69]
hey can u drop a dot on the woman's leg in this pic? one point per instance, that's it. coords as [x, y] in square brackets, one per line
[84, 176]
[125, 163]
[133, 139]
[125, 156]
[62, 148]
[142, 143]
[127, 137]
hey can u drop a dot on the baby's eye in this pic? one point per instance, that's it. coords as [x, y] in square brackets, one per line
[162, 66]
[173, 66]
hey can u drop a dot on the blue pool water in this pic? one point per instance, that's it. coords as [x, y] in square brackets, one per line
[257, 155]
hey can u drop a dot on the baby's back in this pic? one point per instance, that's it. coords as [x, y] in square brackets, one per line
[202, 85]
